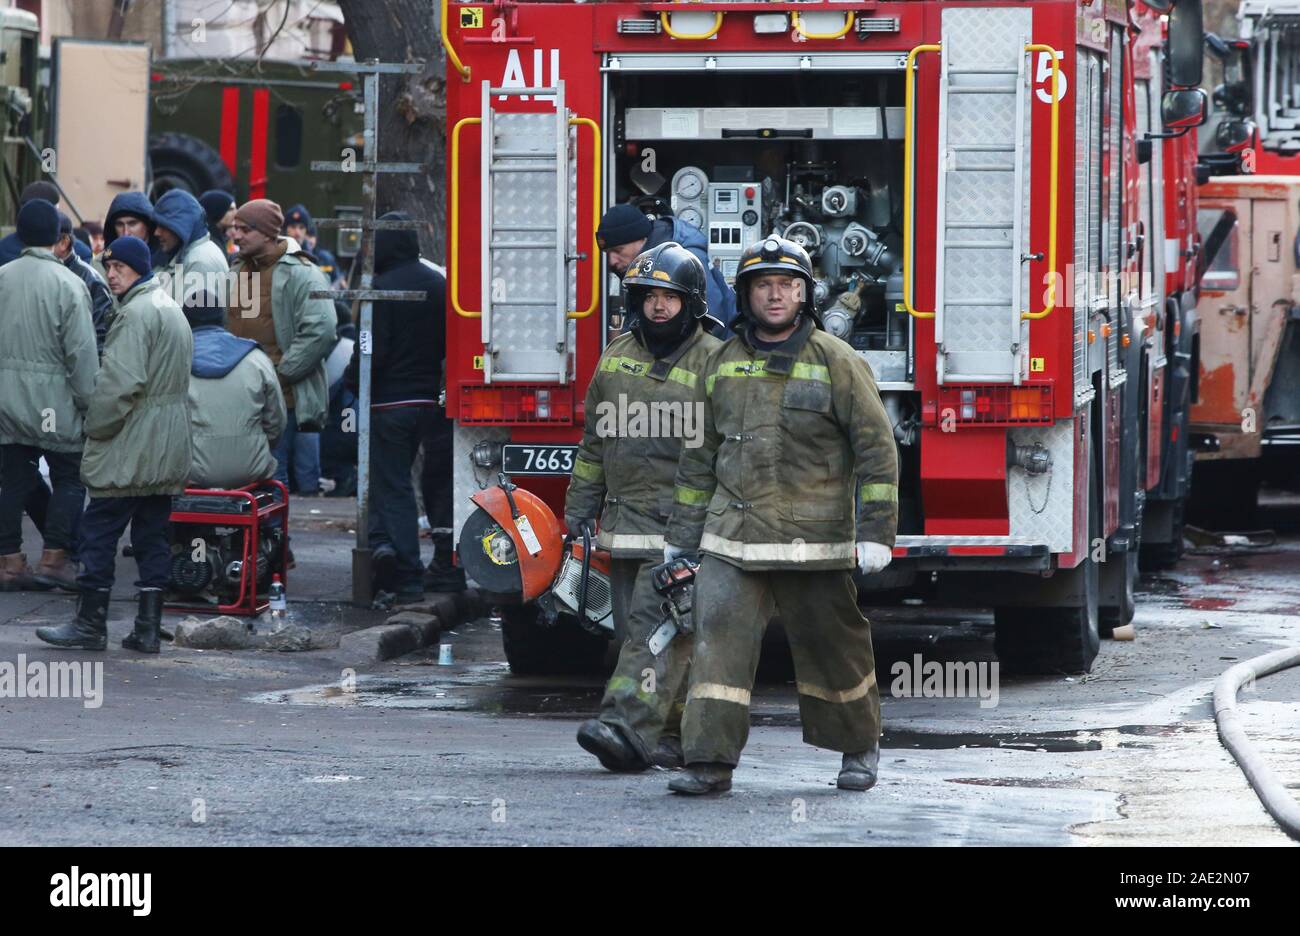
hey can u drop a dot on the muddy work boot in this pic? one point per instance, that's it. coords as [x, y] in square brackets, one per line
[702, 779]
[859, 771]
[148, 623]
[56, 570]
[15, 573]
[668, 754]
[610, 747]
[88, 630]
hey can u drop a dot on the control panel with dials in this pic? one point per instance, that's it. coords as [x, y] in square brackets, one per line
[729, 213]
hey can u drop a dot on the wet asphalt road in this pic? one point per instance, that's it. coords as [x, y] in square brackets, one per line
[200, 748]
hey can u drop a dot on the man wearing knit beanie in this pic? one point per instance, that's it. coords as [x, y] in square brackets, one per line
[262, 215]
[137, 452]
[47, 379]
[624, 233]
[271, 304]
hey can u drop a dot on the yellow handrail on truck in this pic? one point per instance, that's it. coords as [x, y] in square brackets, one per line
[454, 264]
[909, 173]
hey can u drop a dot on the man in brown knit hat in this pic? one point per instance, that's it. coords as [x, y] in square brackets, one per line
[271, 304]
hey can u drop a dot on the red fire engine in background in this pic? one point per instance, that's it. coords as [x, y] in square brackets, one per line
[999, 199]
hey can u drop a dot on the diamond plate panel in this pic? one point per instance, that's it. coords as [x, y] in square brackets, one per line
[524, 335]
[981, 46]
[980, 196]
[985, 37]
[1041, 507]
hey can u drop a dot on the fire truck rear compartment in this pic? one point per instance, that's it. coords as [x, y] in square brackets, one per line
[817, 158]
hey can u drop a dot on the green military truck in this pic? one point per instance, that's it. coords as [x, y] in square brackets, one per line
[253, 128]
[19, 38]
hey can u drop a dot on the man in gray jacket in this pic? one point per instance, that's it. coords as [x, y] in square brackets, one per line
[137, 452]
[236, 408]
[48, 365]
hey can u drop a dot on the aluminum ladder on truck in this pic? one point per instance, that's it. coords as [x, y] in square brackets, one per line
[983, 185]
[529, 224]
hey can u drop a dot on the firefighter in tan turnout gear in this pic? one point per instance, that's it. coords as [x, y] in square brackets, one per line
[796, 442]
[640, 415]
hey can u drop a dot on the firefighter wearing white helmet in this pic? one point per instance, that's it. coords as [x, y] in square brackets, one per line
[640, 414]
[795, 484]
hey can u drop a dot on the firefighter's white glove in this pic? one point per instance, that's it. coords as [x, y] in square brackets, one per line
[872, 557]
[671, 552]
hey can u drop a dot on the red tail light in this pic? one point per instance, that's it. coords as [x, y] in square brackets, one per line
[497, 405]
[997, 405]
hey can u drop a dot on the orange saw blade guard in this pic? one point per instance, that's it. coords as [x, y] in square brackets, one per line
[536, 534]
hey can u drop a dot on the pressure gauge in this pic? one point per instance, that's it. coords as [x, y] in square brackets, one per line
[692, 217]
[690, 185]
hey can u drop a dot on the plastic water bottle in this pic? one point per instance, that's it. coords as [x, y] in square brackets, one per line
[279, 606]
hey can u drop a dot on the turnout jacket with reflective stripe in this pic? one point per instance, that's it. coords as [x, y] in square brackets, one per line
[796, 443]
[640, 415]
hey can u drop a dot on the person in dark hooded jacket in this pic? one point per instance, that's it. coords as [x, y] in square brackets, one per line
[237, 411]
[130, 214]
[409, 342]
[184, 247]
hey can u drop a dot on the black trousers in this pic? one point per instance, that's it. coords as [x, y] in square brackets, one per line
[57, 516]
[436, 484]
[395, 436]
[102, 526]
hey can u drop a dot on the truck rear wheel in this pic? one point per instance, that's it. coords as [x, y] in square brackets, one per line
[1059, 638]
[1119, 578]
[533, 649]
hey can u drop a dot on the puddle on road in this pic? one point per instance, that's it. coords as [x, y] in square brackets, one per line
[490, 690]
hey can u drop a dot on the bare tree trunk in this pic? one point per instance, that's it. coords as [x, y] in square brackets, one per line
[412, 108]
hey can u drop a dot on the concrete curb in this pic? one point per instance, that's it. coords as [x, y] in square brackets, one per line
[413, 627]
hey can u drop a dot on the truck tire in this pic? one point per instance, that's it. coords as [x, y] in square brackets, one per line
[181, 161]
[1119, 577]
[1057, 639]
[1157, 557]
[533, 649]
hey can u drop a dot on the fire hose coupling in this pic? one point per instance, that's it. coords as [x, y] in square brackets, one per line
[675, 581]
[1035, 459]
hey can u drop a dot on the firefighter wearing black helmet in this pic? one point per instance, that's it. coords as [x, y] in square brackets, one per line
[795, 484]
[640, 415]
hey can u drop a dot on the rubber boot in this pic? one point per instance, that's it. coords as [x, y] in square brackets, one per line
[88, 630]
[148, 623]
[701, 779]
[56, 570]
[859, 771]
[610, 747]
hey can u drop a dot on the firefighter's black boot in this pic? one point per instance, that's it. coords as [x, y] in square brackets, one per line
[668, 754]
[148, 623]
[699, 779]
[610, 747]
[88, 630]
[859, 771]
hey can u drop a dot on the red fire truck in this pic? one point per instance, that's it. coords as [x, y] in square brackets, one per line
[999, 199]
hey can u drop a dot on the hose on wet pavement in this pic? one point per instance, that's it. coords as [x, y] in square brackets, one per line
[1277, 799]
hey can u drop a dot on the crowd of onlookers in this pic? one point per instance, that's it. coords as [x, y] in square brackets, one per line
[191, 342]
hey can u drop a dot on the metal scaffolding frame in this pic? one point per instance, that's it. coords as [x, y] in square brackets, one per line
[370, 167]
